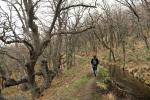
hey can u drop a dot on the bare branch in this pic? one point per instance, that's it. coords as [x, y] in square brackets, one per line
[74, 32]
[10, 56]
[130, 6]
[57, 11]
[12, 82]
[36, 3]
[45, 43]
[16, 41]
[78, 5]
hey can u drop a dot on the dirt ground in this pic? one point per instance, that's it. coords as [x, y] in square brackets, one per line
[88, 92]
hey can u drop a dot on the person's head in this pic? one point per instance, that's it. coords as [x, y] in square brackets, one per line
[94, 56]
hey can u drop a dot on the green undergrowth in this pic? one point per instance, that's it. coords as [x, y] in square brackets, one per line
[74, 87]
[103, 78]
[82, 65]
[148, 56]
[77, 84]
[77, 77]
[82, 60]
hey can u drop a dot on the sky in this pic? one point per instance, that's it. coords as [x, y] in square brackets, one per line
[46, 19]
[91, 2]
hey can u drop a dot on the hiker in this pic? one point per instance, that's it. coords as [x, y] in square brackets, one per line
[94, 63]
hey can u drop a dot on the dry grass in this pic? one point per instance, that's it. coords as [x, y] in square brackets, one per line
[65, 86]
[137, 59]
[67, 81]
[109, 96]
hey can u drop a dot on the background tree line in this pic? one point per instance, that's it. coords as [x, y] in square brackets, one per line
[54, 31]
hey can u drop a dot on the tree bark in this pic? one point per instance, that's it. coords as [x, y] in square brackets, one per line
[31, 77]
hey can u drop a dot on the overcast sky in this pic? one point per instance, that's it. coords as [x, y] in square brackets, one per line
[45, 17]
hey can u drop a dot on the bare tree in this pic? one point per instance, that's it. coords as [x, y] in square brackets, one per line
[30, 34]
[132, 5]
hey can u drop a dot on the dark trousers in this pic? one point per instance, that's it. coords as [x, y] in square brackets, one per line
[94, 69]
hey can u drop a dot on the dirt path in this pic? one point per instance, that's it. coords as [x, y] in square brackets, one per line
[88, 91]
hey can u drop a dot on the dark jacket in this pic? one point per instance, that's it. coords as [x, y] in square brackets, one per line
[97, 61]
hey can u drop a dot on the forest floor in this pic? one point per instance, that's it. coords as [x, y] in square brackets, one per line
[88, 90]
[78, 83]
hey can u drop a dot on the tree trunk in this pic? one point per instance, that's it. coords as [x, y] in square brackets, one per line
[124, 55]
[57, 54]
[111, 55]
[31, 79]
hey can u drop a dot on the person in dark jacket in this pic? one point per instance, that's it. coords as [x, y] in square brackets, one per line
[94, 63]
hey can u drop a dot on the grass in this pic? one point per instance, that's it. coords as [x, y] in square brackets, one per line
[101, 85]
[77, 84]
[103, 73]
[74, 87]
[82, 60]
[65, 86]
[109, 96]
[103, 77]
[147, 82]
[19, 95]
[101, 82]
[79, 73]
[148, 58]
